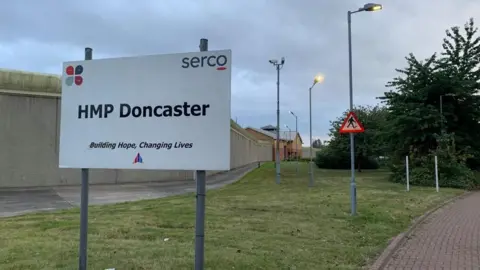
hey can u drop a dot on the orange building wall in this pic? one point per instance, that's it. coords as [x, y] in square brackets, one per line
[286, 148]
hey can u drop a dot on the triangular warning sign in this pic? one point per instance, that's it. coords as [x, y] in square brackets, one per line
[351, 124]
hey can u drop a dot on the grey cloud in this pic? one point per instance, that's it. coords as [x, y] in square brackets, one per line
[312, 35]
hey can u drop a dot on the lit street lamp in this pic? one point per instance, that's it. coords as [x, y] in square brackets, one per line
[353, 187]
[296, 133]
[317, 79]
[278, 65]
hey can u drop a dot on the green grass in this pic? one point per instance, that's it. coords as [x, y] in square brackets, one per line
[252, 224]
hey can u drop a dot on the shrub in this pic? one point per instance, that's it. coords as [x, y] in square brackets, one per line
[452, 168]
[329, 160]
[383, 161]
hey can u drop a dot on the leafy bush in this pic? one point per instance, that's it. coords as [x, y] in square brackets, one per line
[452, 168]
[329, 160]
[383, 161]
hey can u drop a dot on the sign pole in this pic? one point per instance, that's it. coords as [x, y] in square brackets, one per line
[436, 174]
[200, 203]
[352, 125]
[407, 173]
[82, 260]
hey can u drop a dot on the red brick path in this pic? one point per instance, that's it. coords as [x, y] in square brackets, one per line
[448, 239]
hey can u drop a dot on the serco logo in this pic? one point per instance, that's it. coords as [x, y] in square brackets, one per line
[74, 75]
[138, 159]
[205, 61]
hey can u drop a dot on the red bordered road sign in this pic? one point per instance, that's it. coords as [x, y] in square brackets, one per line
[351, 124]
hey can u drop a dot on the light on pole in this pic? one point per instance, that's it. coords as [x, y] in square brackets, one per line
[278, 65]
[296, 141]
[353, 187]
[288, 139]
[317, 79]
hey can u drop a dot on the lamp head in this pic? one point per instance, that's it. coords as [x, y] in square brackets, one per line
[318, 79]
[283, 61]
[273, 61]
[372, 7]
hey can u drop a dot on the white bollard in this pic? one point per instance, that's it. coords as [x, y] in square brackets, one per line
[407, 173]
[436, 173]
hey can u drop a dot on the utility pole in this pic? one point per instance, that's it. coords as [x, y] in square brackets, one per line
[278, 66]
[353, 186]
[316, 80]
[296, 141]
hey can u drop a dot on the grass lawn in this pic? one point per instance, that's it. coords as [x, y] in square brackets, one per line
[252, 224]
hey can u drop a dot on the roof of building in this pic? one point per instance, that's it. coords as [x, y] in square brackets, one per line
[264, 132]
[285, 135]
[269, 127]
[29, 81]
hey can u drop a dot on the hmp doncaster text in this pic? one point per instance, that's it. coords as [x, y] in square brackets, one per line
[127, 110]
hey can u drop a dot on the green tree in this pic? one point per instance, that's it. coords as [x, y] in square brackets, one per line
[433, 104]
[460, 69]
[414, 117]
[368, 145]
[317, 143]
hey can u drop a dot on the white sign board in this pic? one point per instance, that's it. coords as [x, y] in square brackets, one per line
[165, 112]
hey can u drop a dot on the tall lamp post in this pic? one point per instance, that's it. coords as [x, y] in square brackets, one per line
[288, 139]
[317, 79]
[278, 65]
[296, 141]
[353, 186]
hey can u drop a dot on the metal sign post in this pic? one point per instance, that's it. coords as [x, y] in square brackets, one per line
[200, 177]
[352, 125]
[436, 174]
[407, 173]
[82, 259]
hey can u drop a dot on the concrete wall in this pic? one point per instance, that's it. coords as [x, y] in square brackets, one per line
[29, 138]
[306, 152]
[287, 148]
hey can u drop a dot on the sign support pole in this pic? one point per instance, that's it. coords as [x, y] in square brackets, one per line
[200, 203]
[436, 174]
[82, 260]
[407, 173]
[352, 125]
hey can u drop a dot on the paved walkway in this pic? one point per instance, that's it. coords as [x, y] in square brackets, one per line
[448, 239]
[20, 201]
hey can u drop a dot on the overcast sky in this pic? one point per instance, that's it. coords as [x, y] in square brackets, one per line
[311, 34]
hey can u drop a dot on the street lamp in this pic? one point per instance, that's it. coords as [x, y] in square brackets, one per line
[353, 187]
[278, 65]
[296, 134]
[288, 139]
[317, 79]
